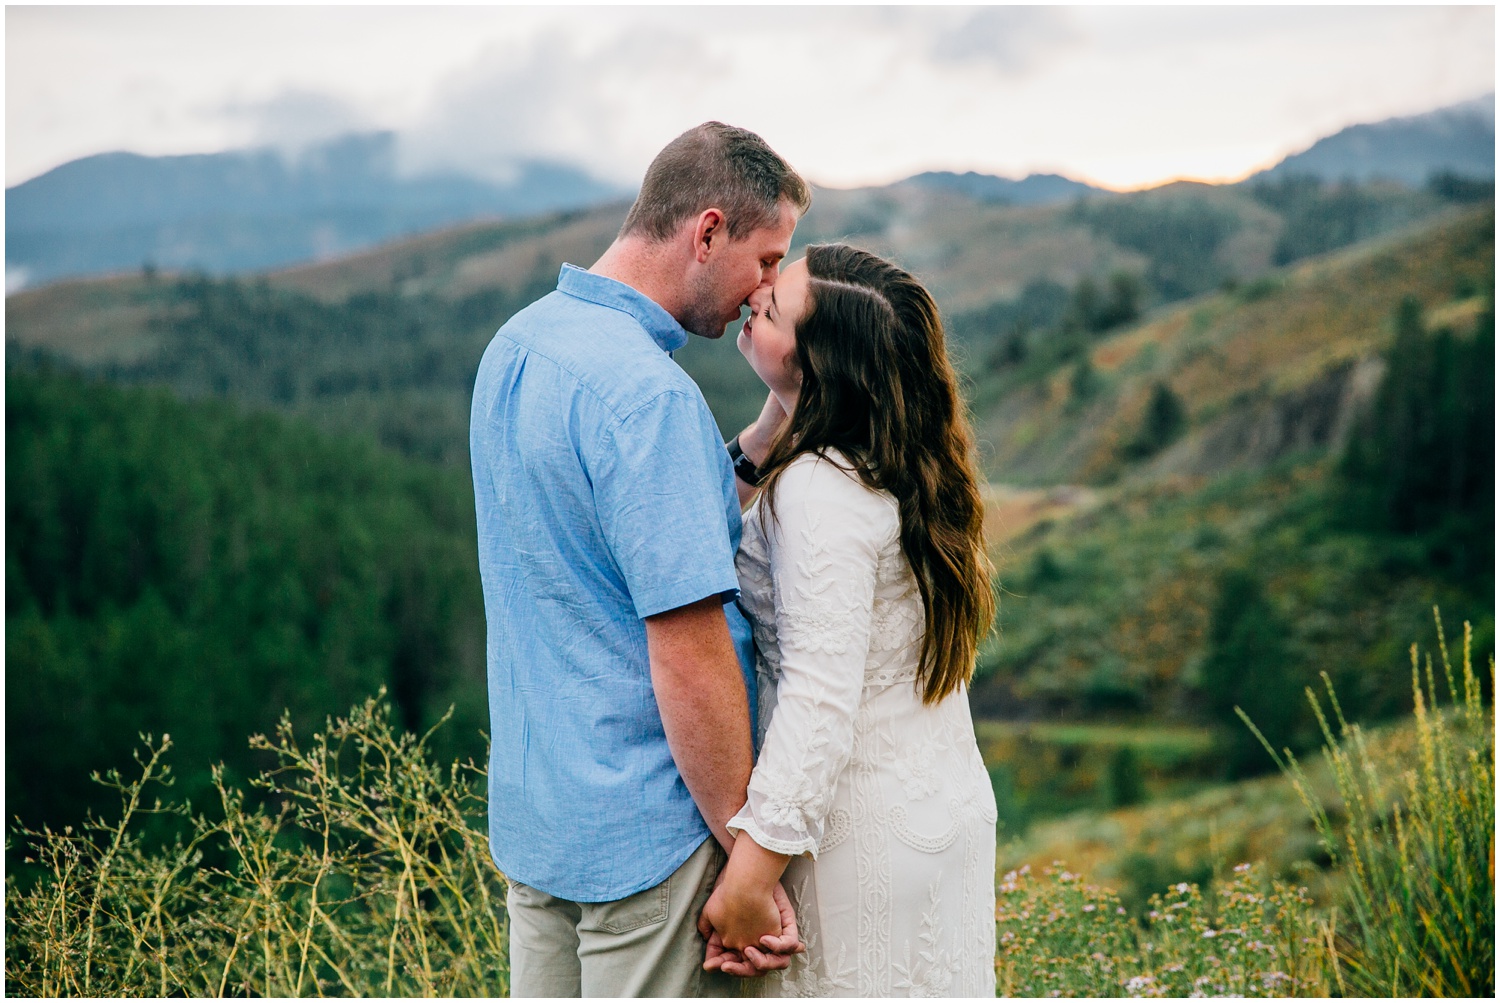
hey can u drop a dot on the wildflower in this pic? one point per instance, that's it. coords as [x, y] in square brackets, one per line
[1089, 908]
[1119, 910]
[1241, 868]
[1181, 887]
[1209, 933]
[1138, 982]
[1175, 966]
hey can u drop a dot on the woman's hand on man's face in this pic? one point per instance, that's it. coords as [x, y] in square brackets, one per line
[756, 440]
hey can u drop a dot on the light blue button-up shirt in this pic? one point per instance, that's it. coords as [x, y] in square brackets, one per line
[603, 495]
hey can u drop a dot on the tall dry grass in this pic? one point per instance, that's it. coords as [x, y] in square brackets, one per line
[1417, 850]
[357, 867]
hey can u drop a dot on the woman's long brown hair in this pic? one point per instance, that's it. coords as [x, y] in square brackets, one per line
[877, 385]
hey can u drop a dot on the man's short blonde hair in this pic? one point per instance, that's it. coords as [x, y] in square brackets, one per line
[720, 166]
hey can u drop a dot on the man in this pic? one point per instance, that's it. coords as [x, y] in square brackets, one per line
[608, 518]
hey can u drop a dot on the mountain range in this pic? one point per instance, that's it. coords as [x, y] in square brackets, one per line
[1459, 139]
[250, 210]
[245, 210]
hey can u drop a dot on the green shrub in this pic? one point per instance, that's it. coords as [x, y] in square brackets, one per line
[353, 867]
[1417, 850]
[1161, 425]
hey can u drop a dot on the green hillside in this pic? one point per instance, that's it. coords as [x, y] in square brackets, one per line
[1226, 552]
[190, 569]
[1205, 490]
[385, 343]
[1275, 366]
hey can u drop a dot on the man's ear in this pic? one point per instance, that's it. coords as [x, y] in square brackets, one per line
[709, 233]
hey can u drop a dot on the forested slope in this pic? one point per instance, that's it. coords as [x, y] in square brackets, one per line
[194, 569]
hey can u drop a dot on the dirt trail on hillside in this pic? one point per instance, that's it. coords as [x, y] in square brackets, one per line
[1012, 512]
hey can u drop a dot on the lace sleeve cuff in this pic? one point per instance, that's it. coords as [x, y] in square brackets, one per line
[773, 838]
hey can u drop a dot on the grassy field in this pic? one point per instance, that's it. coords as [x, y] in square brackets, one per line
[355, 865]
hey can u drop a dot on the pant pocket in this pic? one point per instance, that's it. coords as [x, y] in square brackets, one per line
[630, 913]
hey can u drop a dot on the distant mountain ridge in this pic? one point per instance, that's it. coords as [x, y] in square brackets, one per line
[1034, 189]
[252, 209]
[1459, 139]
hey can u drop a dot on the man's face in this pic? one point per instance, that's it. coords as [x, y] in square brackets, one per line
[736, 269]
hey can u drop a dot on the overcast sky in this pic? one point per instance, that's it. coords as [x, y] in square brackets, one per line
[1119, 96]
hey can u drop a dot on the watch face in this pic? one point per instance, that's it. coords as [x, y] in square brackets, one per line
[746, 470]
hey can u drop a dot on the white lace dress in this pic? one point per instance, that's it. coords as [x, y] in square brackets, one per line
[883, 802]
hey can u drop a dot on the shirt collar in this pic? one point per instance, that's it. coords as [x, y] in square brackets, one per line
[585, 285]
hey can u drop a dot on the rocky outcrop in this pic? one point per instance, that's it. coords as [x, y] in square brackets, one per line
[1317, 416]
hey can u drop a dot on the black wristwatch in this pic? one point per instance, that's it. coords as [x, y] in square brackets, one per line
[743, 468]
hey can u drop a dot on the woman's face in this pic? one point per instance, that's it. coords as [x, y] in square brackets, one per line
[768, 339]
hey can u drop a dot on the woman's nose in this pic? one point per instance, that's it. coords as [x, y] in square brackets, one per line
[761, 297]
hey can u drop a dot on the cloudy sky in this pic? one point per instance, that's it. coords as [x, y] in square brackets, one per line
[1119, 96]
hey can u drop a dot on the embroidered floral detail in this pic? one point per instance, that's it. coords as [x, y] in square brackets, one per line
[821, 615]
[789, 799]
[915, 771]
[897, 622]
[931, 975]
[836, 829]
[814, 975]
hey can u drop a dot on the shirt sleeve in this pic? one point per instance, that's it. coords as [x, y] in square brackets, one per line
[824, 540]
[661, 478]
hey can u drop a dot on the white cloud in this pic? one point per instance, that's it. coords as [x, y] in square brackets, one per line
[296, 119]
[1011, 40]
[851, 95]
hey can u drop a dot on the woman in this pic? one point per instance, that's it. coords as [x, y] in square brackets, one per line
[863, 571]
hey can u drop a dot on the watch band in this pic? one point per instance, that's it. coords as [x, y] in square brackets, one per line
[743, 468]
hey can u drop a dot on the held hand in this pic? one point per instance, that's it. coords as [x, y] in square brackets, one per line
[740, 917]
[790, 942]
[717, 957]
[773, 954]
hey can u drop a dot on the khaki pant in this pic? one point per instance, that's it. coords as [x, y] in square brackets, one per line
[646, 944]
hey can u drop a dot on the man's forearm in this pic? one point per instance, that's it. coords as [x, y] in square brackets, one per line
[704, 708]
